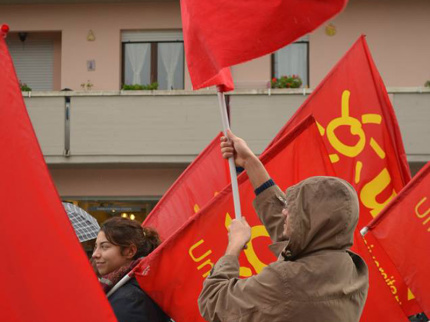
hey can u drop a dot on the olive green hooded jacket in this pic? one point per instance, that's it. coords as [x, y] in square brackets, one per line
[316, 278]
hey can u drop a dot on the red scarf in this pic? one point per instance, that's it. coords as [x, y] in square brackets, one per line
[108, 281]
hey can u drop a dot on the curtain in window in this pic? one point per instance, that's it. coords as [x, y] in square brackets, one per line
[171, 56]
[292, 59]
[137, 56]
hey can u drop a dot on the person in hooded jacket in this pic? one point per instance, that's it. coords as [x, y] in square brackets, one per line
[316, 276]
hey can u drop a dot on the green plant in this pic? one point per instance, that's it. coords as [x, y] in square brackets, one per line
[138, 87]
[427, 84]
[293, 81]
[24, 87]
[87, 86]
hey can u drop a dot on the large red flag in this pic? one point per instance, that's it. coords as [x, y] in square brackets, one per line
[403, 230]
[360, 130]
[222, 33]
[204, 177]
[173, 274]
[45, 273]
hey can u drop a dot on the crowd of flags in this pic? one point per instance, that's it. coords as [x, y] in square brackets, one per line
[356, 137]
[346, 127]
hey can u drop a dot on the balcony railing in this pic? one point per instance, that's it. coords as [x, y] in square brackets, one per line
[174, 126]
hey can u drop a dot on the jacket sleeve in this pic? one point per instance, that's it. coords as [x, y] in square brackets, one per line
[268, 205]
[225, 297]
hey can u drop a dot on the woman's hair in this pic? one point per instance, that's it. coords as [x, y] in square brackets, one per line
[124, 232]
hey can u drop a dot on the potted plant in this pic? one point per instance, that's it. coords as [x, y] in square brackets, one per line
[293, 81]
[87, 86]
[24, 87]
[138, 87]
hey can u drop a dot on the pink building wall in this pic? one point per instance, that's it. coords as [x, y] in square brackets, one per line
[105, 20]
[398, 37]
[397, 33]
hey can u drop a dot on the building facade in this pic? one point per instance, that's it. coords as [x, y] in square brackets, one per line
[116, 152]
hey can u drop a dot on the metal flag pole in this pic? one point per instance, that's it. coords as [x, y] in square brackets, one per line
[232, 166]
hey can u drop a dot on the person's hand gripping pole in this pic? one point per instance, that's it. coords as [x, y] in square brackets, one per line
[233, 174]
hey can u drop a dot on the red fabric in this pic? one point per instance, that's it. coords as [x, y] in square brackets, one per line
[381, 303]
[208, 172]
[45, 273]
[173, 274]
[403, 230]
[354, 90]
[219, 34]
[4, 30]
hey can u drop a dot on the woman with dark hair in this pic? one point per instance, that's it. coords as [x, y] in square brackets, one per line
[120, 245]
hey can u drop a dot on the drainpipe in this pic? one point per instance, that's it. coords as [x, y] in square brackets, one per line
[67, 127]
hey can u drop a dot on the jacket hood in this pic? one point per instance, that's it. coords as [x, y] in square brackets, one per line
[322, 214]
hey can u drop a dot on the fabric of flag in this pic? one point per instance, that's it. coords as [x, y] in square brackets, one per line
[207, 175]
[403, 231]
[357, 122]
[46, 275]
[173, 274]
[220, 33]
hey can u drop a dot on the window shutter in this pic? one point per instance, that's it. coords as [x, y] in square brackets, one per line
[147, 36]
[34, 61]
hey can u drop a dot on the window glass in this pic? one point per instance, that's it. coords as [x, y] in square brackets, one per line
[148, 62]
[170, 66]
[292, 59]
[137, 61]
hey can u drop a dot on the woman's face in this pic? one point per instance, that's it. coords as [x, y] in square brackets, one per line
[108, 257]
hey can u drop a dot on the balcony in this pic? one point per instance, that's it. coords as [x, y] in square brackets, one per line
[172, 127]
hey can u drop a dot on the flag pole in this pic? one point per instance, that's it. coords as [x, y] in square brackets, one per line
[232, 166]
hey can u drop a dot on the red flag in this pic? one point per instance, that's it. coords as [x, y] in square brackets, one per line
[403, 230]
[209, 172]
[45, 273]
[360, 130]
[383, 299]
[173, 274]
[220, 34]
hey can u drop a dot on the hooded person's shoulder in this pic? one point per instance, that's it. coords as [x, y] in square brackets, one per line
[290, 271]
[328, 269]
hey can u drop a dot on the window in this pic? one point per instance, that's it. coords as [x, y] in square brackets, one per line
[292, 59]
[33, 57]
[146, 60]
